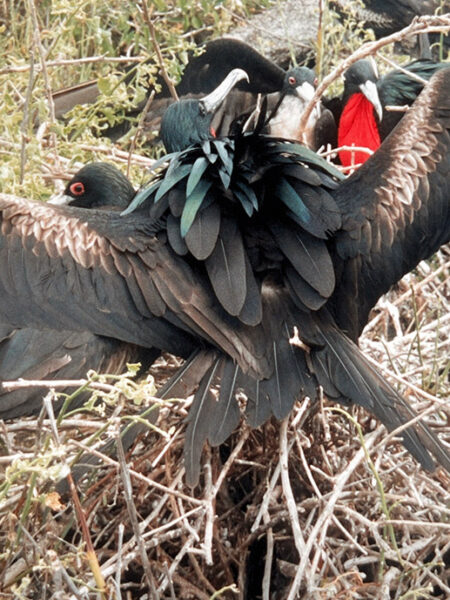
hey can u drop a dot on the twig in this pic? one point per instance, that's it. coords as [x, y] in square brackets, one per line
[320, 528]
[110, 461]
[9, 386]
[148, 20]
[74, 61]
[41, 51]
[287, 490]
[139, 129]
[209, 506]
[90, 551]
[127, 490]
[26, 118]
[269, 559]
[120, 531]
[410, 74]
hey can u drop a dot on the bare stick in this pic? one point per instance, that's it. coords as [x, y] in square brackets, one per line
[74, 61]
[40, 48]
[26, 117]
[90, 550]
[132, 512]
[287, 490]
[320, 528]
[139, 129]
[148, 20]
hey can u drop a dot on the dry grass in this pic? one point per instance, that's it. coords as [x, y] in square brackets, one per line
[314, 507]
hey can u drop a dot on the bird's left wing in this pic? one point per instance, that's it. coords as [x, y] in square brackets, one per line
[396, 207]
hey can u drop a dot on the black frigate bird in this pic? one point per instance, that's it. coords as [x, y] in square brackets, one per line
[38, 354]
[361, 115]
[288, 91]
[237, 245]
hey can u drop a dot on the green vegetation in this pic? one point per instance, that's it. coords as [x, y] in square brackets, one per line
[33, 146]
[199, 544]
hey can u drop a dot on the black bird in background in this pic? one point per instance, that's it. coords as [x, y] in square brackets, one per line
[288, 91]
[361, 115]
[52, 354]
[237, 245]
[387, 16]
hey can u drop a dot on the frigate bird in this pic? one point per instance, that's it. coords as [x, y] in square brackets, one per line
[287, 92]
[255, 250]
[361, 114]
[39, 354]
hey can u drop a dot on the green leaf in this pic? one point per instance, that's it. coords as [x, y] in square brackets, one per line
[198, 168]
[289, 196]
[193, 203]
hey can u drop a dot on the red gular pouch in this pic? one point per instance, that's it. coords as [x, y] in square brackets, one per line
[357, 127]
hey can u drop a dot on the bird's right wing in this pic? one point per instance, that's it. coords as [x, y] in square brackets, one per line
[95, 270]
[396, 207]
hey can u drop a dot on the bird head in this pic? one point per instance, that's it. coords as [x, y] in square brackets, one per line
[361, 77]
[301, 82]
[188, 121]
[96, 185]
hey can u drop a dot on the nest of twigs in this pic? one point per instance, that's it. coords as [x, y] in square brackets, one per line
[323, 505]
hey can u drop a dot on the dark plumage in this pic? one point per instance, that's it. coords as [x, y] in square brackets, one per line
[60, 354]
[99, 185]
[237, 244]
[189, 121]
[387, 16]
[204, 72]
[361, 114]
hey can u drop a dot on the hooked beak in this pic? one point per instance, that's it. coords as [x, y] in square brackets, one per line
[369, 89]
[60, 200]
[212, 101]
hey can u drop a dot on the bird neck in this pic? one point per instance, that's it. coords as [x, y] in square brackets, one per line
[357, 127]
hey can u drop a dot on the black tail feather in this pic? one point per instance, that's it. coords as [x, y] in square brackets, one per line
[346, 375]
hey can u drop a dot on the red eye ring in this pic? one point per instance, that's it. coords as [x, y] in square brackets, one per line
[77, 188]
[291, 80]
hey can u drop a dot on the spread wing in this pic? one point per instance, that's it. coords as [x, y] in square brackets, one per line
[77, 269]
[396, 207]
[49, 354]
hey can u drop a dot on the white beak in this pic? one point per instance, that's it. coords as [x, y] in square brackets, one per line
[370, 91]
[60, 200]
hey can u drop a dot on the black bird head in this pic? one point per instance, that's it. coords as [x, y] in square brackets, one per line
[301, 82]
[288, 106]
[188, 122]
[362, 78]
[96, 185]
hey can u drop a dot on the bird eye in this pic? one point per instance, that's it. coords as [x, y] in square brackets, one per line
[291, 80]
[77, 188]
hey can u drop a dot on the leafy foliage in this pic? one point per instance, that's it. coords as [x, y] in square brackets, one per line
[35, 146]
